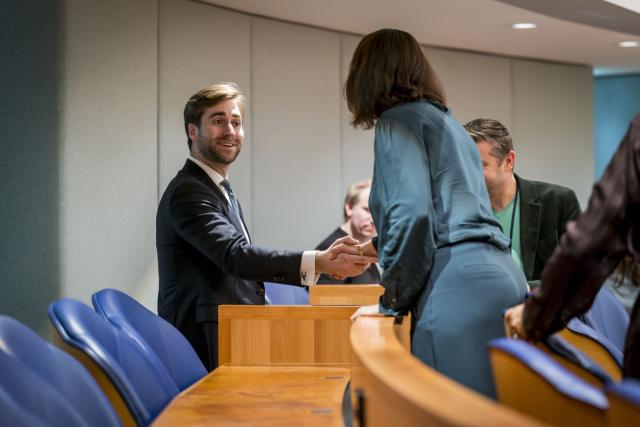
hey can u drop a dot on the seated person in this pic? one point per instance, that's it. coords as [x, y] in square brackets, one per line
[589, 250]
[358, 224]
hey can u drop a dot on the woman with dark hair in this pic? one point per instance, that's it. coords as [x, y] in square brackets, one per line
[444, 256]
[590, 249]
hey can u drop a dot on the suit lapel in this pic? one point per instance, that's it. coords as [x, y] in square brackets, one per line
[196, 171]
[530, 210]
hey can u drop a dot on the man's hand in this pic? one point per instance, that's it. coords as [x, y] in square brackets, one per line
[345, 263]
[513, 327]
[338, 247]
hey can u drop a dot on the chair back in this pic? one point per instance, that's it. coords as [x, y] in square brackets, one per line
[608, 317]
[41, 385]
[524, 374]
[279, 294]
[135, 382]
[154, 334]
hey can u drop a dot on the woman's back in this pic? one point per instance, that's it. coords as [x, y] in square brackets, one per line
[461, 210]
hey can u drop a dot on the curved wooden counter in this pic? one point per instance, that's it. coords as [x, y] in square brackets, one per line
[395, 388]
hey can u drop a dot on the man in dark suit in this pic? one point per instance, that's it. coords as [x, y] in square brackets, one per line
[358, 223]
[205, 255]
[533, 214]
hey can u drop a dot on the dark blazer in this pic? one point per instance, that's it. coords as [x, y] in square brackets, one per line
[590, 250]
[545, 210]
[204, 260]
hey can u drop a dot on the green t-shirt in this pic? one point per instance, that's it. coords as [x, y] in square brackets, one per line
[504, 217]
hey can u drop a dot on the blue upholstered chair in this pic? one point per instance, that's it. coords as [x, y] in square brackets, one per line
[577, 361]
[135, 382]
[278, 294]
[531, 381]
[154, 334]
[41, 385]
[624, 401]
[608, 317]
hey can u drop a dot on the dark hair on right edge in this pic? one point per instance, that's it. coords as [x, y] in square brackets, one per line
[388, 68]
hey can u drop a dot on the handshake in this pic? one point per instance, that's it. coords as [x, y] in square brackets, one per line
[346, 257]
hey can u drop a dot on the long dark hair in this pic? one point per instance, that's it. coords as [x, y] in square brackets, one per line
[388, 68]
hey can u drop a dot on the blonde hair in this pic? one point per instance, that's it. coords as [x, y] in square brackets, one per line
[353, 194]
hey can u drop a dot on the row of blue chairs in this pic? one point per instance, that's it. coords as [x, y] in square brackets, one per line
[574, 377]
[139, 360]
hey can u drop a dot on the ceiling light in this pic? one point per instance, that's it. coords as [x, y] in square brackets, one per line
[629, 44]
[524, 26]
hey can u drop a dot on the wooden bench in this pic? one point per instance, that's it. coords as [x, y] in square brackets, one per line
[391, 387]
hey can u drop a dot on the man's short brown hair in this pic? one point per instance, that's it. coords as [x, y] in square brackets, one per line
[208, 97]
[491, 131]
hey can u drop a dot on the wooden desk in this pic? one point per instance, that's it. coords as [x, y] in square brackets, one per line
[262, 396]
[250, 334]
[345, 294]
[395, 388]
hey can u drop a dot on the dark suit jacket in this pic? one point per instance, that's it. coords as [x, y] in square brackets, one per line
[545, 210]
[204, 259]
[591, 248]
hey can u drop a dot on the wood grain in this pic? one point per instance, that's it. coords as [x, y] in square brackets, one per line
[284, 334]
[273, 395]
[345, 294]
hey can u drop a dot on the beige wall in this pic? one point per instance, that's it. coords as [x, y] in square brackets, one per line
[130, 66]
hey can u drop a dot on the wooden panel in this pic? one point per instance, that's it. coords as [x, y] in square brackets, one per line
[345, 294]
[292, 340]
[284, 334]
[255, 347]
[516, 384]
[398, 389]
[261, 395]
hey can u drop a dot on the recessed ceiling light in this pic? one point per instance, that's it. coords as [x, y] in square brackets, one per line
[524, 26]
[629, 44]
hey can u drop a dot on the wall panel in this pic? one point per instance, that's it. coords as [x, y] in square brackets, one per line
[553, 124]
[296, 133]
[109, 139]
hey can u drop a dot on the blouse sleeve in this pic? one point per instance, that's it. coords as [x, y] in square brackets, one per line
[592, 245]
[403, 214]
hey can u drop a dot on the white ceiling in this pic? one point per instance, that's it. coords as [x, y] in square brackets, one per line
[480, 25]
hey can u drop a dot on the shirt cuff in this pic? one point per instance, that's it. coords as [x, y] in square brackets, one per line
[308, 276]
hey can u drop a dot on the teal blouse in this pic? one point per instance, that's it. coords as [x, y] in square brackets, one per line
[428, 191]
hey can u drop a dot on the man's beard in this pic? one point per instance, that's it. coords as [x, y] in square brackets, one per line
[209, 150]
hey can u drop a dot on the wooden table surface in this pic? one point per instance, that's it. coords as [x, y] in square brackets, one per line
[264, 395]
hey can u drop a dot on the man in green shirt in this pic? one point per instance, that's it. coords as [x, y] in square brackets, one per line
[533, 214]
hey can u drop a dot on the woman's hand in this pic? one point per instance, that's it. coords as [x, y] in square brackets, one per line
[367, 310]
[513, 326]
[364, 249]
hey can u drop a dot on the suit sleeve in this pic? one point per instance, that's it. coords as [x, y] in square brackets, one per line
[405, 244]
[201, 220]
[592, 245]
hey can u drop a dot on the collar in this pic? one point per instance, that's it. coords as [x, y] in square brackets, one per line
[213, 174]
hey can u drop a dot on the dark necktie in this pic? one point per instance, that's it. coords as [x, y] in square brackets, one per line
[232, 197]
